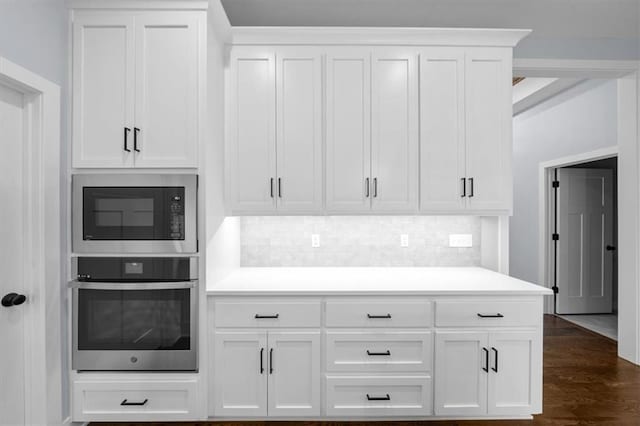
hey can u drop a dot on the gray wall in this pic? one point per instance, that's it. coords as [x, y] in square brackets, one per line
[579, 120]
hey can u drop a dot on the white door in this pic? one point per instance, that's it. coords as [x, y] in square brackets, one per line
[299, 129]
[103, 90]
[394, 130]
[348, 136]
[461, 370]
[488, 128]
[294, 373]
[240, 374]
[167, 66]
[12, 330]
[251, 152]
[585, 228]
[442, 150]
[515, 372]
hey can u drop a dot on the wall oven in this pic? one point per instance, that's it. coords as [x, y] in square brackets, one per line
[132, 313]
[134, 213]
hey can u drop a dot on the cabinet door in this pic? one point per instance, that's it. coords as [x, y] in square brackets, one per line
[294, 373]
[394, 133]
[488, 128]
[515, 373]
[240, 371]
[299, 132]
[348, 168]
[251, 152]
[167, 72]
[442, 152]
[461, 379]
[103, 81]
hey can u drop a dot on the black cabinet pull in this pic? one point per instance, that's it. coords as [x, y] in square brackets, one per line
[386, 353]
[138, 404]
[464, 187]
[258, 316]
[486, 360]
[611, 248]
[13, 299]
[470, 187]
[498, 315]
[261, 360]
[271, 361]
[375, 187]
[366, 187]
[378, 398]
[495, 360]
[135, 139]
[279, 187]
[271, 187]
[388, 316]
[126, 135]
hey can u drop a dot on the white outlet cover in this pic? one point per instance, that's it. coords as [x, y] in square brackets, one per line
[404, 240]
[315, 240]
[460, 240]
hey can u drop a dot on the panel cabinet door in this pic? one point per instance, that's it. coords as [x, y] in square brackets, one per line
[442, 150]
[488, 128]
[103, 94]
[348, 150]
[394, 132]
[294, 374]
[251, 151]
[167, 72]
[515, 373]
[460, 376]
[240, 371]
[299, 131]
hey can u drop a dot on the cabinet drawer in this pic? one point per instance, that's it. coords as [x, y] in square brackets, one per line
[379, 396]
[267, 314]
[401, 351]
[483, 313]
[135, 400]
[380, 313]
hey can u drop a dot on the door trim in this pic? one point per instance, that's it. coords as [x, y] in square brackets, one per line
[43, 285]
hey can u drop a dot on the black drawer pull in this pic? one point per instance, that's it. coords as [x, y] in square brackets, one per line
[498, 315]
[495, 364]
[258, 316]
[388, 316]
[485, 368]
[138, 404]
[387, 353]
[378, 398]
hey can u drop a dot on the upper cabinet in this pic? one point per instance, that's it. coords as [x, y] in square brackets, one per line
[137, 83]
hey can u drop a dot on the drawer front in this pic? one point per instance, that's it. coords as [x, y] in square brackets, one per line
[401, 351]
[146, 401]
[379, 313]
[267, 314]
[379, 396]
[483, 313]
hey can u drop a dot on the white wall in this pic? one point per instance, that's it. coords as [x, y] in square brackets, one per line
[582, 119]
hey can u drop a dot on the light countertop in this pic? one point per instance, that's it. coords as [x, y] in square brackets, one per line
[371, 281]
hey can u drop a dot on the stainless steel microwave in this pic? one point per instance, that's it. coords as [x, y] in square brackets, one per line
[123, 214]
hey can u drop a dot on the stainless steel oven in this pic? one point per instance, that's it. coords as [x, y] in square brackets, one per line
[134, 213]
[132, 313]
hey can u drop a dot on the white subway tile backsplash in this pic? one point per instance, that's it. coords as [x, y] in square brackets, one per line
[357, 241]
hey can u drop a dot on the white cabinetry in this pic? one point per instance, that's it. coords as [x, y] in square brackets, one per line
[137, 88]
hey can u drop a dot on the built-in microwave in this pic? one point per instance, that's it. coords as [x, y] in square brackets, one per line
[141, 213]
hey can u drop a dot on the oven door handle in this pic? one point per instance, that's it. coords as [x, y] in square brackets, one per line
[85, 285]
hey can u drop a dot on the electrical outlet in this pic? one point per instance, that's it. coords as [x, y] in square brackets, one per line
[315, 240]
[404, 240]
[460, 240]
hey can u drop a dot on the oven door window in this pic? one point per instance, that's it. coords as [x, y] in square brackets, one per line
[134, 319]
[133, 213]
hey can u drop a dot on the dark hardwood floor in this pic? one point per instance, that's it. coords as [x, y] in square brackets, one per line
[585, 383]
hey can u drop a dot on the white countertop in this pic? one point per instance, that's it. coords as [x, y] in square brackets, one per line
[383, 280]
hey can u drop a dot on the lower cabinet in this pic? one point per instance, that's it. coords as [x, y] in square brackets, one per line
[487, 373]
[267, 373]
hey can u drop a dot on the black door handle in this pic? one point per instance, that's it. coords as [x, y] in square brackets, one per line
[261, 360]
[470, 187]
[486, 360]
[271, 361]
[386, 353]
[611, 248]
[464, 187]
[271, 187]
[366, 187]
[495, 360]
[125, 403]
[388, 316]
[135, 139]
[378, 398]
[13, 299]
[375, 187]
[498, 315]
[126, 136]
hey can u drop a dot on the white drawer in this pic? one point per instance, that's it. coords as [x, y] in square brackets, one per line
[267, 313]
[396, 351]
[135, 400]
[485, 313]
[379, 396]
[379, 313]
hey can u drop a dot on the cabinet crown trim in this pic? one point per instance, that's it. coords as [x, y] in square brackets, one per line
[139, 4]
[486, 37]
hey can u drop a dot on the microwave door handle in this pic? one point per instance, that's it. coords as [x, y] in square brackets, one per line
[85, 285]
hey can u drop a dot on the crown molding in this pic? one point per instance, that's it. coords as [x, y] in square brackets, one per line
[139, 4]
